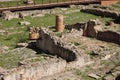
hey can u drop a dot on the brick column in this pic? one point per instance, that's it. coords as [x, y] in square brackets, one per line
[59, 23]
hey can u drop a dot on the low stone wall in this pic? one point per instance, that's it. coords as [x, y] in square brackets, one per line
[8, 15]
[90, 29]
[42, 69]
[35, 71]
[109, 36]
[77, 26]
[54, 45]
[102, 12]
[93, 29]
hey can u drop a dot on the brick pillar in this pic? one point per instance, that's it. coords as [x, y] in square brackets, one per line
[59, 23]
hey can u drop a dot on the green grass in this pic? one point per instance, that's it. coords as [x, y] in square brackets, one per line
[47, 21]
[116, 6]
[83, 17]
[83, 75]
[12, 40]
[11, 4]
[10, 60]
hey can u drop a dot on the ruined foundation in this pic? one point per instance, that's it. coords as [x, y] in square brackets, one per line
[109, 36]
[71, 58]
[93, 29]
[35, 71]
[102, 12]
[68, 56]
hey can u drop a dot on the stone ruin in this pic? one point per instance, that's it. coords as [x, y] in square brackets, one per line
[93, 29]
[33, 33]
[68, 55]
[102, 12]
[8, 15]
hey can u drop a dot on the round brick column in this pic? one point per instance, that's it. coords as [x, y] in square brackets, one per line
[59, 23]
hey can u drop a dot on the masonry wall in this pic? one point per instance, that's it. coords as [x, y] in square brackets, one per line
[36, 71]
[102, 12]
[8, 15]
[109, 36]
[53, 45]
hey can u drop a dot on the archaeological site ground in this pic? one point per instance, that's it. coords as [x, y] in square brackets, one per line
[59, 40]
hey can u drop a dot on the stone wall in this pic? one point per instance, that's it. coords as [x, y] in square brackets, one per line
[90, 29]
[35, 71]
[102, 12]
[93, 28]
[8, 15]
[109, 36]
[48, 42]
[41, 69]
[77, 26]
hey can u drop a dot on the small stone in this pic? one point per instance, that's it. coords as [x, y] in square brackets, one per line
[5, 48]
[111, 23]
[22, 44]
[107, 57]
[38, 15]
[94, 76]
[1, 70]
[109, 77]
[28, 1]
[24, 23]
[116, 73]
[72, 6]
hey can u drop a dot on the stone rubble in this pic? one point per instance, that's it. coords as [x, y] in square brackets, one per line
[33, 32]
[94, 76]
[28, 1]
[3, 49]
[22, 44]
[24, 23]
